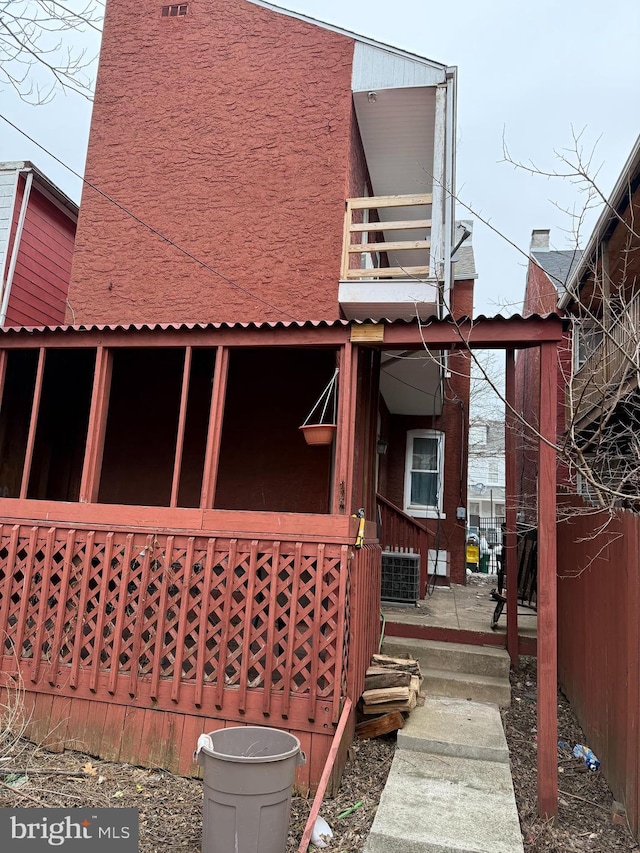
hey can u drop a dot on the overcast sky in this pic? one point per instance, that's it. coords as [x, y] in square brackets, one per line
[528, 72]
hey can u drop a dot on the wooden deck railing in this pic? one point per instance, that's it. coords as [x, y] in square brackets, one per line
[402, 532]
[414, 212]
[612, 366]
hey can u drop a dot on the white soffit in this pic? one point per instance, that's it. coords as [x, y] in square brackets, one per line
[376, 68]
[411, 384]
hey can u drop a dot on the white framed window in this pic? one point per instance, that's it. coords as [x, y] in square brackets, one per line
[424, 473]
[493, 471]
[587, 338]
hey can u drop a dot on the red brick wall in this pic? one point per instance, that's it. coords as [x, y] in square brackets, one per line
[228, 130]
[43, 268]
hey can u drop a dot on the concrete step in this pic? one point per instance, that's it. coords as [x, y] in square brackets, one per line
[441, 803]
[456, 727]
[453, 657]
[461, 685]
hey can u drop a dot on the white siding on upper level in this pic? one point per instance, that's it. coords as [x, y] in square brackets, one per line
[8, 187]
[374, 68]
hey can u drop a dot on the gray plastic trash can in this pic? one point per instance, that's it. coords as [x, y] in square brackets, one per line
[247, 789]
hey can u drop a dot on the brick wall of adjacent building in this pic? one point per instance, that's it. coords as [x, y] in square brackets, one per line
[231, 132]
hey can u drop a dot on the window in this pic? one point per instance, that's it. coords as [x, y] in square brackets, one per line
[493, 471]
[424, 472]
[175, 11]
[587, 338]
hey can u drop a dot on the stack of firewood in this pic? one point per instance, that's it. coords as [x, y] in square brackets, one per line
[391, 691]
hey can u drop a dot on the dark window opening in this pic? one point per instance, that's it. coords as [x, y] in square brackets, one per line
[176, 10]
[265, 463]
[63, 419]
[142, 426]
[15, 415]
[196, 425]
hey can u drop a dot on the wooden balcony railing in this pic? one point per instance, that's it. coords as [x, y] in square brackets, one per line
[403, 533]
[612, 366]
[411, 210]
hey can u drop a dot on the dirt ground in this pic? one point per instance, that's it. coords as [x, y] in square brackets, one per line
[170, 806]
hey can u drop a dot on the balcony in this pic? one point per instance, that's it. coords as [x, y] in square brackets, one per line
[611, 370]
[387, 259]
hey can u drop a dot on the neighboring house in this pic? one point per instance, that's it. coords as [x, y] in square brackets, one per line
[174, 556]
[37, 232]
[547, 273]
[486, 478]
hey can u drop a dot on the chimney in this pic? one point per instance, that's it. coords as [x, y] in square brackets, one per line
[539, 240]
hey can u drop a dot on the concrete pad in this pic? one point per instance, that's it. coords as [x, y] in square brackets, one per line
[445, 804]
[454, 657]
[456, 727]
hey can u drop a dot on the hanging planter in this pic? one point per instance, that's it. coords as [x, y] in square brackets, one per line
[321, 431]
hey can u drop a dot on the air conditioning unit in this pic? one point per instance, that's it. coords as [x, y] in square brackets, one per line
[400, 577]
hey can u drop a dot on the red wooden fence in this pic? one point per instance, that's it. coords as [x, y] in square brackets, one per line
[599, 640]
[239, 630]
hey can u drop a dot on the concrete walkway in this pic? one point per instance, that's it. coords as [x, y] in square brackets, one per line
[449, 789]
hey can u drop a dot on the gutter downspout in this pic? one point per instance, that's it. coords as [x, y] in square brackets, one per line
[6, 285]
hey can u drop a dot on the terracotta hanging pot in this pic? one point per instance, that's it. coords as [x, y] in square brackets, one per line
[318, 433]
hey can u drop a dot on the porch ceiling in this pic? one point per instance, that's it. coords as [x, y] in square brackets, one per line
[410, 383]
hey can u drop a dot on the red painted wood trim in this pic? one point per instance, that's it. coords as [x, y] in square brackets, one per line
[4, 355]
[233, 523]
[547, 588]
[326, 774]
[42, 609]
[339, 492]
[315, 650]
[117, 637]
[214, 433]
[204, 619]
[104, 586]
[182, 620]
[33, 423]
[62, 607]
[510, 508]
[82, 606]
[6, 587]
[291, 630]
[226, 615]
[160, 616]
[271, 627]
[94, 449]
[149, 547]
[349, 447]
[26, 590]
[246, 630]
[346, 567]
[182, 419]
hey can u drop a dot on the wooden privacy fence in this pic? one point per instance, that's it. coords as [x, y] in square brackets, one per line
[599, 639]
[257, 631]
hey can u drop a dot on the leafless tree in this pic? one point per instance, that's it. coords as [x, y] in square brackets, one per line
[45, 49]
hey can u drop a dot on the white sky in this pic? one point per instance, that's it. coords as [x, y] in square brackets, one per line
[531, 71]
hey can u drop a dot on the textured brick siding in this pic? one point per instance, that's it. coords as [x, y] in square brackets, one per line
[228, 130]
[43, 267]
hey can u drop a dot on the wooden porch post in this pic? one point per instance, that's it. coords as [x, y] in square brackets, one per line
[33, 423]
[547, 587]
[182, 419]
[4, 355]
[91, 468]
[214, 432]
[511, 556]
[348, 377]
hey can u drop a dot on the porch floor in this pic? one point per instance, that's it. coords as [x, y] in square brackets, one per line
[461, 614]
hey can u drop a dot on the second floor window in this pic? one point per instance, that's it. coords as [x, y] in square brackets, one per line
[587, 338]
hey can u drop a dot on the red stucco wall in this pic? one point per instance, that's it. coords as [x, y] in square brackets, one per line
[230, 131]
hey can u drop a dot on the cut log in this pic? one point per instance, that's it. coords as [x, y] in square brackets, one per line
[415, 683]
[386, 694]
[380, 725]
[388, 678]
[386, 707]
[403, 664]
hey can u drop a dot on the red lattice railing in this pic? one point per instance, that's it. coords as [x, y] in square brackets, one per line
[241, 628]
